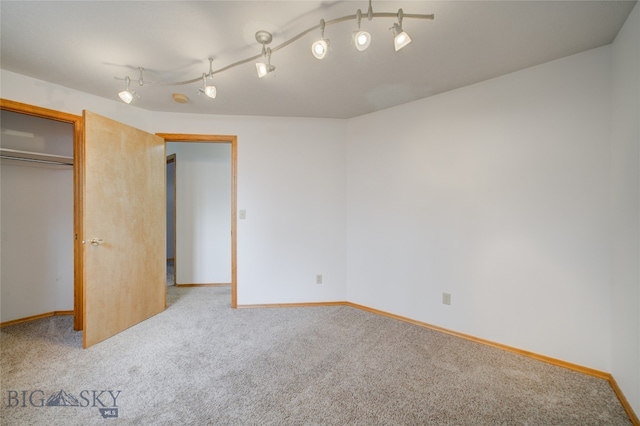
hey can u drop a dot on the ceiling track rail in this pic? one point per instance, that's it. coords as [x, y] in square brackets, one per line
[370, 15]
[298, 37]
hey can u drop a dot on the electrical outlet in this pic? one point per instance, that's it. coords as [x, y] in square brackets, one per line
[318, 279]
[446, 298]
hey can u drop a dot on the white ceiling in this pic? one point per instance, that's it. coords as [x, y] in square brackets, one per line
[85, 45]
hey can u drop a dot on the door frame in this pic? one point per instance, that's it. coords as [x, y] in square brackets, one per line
[233, 140]
[78, 162]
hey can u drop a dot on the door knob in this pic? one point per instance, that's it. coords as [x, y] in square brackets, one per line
[96, 241]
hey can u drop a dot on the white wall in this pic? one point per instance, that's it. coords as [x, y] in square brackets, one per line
[291, 182]
[625, 196]
[498, 194]
[37, 239]
[203, 216]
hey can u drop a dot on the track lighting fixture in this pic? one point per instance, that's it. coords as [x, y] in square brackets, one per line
[400, 39]
[264, 38]
[127, 95]
[361, 39]
[264, 69]
[209, 91]
[319, 48]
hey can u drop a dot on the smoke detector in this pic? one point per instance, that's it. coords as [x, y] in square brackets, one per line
[180, 98]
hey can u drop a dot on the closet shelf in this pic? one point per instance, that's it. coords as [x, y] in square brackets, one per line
[36, 157]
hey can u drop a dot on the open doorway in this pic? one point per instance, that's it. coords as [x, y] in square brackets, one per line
[171, 219]
[205, 216]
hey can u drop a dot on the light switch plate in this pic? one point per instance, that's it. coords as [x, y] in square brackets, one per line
[446, 298]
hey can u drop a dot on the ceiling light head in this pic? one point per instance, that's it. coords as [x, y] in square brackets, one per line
[262, 68]
[320, 47]
[362, 40]
[264, 38]
[127, 95]
[206, 89]
[401, 38]
[211, 91]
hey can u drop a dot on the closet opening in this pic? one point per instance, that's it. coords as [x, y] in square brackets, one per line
[39, 177]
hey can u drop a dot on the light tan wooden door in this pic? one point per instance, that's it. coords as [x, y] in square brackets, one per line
[124, 227]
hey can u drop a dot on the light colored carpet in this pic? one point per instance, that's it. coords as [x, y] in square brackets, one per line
[200, 362]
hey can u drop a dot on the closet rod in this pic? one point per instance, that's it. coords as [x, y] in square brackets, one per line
[33, 160]
[35, 157]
